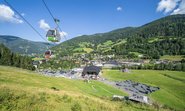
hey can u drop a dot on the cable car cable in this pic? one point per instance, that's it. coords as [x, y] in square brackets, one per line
[53, 18]
[25, 20]
[27, 23]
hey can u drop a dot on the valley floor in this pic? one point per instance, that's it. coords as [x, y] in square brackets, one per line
[25, 90]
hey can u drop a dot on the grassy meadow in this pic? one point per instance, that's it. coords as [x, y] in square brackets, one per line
[23, 90]
[171, 83]
[172, 58]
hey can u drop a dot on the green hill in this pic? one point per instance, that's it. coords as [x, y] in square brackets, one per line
[166, 36]
[22, 46]
[23, 90]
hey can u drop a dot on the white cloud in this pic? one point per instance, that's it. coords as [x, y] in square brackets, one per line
[119, 8]
[43, 25]
[167, 5]
[180, 9]
[171, 6]
[8, 15]
[63, 34]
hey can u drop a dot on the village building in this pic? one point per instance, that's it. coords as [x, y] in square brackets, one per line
[97, 63]
[111, 64]
[126, 70]
[91, 72]
[161, 62]
[35, 64]
[131, 63]
[139, 98]
[133, 97]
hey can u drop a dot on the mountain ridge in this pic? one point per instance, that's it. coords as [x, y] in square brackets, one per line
[172, 27]
[23, 46]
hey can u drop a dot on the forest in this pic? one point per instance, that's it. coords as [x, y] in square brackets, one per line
[166, 46]
[8, 58]
[165, 36]
[173, 66]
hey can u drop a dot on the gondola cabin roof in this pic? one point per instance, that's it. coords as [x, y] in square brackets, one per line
[48, 52]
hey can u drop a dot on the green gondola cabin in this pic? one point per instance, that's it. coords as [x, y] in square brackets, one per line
[53, 35]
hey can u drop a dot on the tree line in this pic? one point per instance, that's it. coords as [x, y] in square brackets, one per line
[8, 58]
[173, 66]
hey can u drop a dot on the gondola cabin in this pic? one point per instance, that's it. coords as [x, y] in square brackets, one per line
[48, 54]
[53, 35]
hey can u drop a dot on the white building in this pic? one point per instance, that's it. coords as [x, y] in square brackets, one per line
[139, 98]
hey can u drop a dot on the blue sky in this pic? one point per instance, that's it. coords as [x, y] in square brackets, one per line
[79, 17]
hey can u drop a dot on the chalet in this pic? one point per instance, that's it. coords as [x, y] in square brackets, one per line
[91, 72]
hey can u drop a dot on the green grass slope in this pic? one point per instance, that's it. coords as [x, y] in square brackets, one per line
[23, 90]
[171, 83]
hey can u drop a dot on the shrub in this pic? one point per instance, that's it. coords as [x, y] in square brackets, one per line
[76, 107]
[54, 88]
[66, 98]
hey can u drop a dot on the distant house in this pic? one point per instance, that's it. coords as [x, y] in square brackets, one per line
[97, 63]
[78, 69]
[42, 61]
[146, 61]
[111, 64]
[161, 62]
[131, 63]
[48, 54]
[125, 70]
[91, 72]
[35, 64]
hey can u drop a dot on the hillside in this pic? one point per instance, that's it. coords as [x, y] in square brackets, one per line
[171, 83]
[166, 36]
[22, 46]
[7, 58]
[23, 90]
